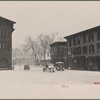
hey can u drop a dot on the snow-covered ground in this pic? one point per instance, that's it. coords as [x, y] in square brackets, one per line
[61, 84]
[37, 76]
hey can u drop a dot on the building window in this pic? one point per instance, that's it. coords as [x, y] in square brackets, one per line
[84, 38]
[74, 51]
[74, 41]
[78, 39]
[7, 46]
[10, 31]
[91, 37]
[8, 35]
[53, 55]
[1, 32]
[79, 50]
[98, 35]
[4, 33]
[98, 47]
[70, 42]
[70, 52]
[84, 49]
[91, 48]
[3, 45]
[61, 54]
[47, 54]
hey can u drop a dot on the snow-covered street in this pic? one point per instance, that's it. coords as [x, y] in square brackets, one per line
[37, 76]
[35, 83]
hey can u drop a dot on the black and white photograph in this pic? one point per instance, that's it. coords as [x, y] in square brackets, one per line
[49, 50]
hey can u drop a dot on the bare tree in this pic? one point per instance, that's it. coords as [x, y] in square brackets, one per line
[35, 48]
[45, 41]
[40, 46]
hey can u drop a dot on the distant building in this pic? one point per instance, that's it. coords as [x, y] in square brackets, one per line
[58, 52]
[23, 60]
[6, 29]
[84, 49]
[47, 59]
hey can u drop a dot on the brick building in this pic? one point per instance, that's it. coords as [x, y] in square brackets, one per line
[83, 49]
[6, 29]
[58, 52]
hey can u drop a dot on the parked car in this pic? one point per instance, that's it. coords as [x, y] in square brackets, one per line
[59, 66]
[26, 67]
[49, 68]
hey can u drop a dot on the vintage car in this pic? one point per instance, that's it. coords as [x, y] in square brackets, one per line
[26, 67]
[59, 66]
[49, 68]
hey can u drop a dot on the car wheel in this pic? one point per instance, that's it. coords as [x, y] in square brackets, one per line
[62, 69]
[43, 70]
[53, 71]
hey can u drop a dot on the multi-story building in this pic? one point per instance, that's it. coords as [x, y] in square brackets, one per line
[6, 29]
[58, 52]
[83, 49]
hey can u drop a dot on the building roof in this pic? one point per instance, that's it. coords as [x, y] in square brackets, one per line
[87, 30]
[2, 18]
[58, 43]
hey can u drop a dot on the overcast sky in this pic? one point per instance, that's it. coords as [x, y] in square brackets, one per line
[36, 17]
